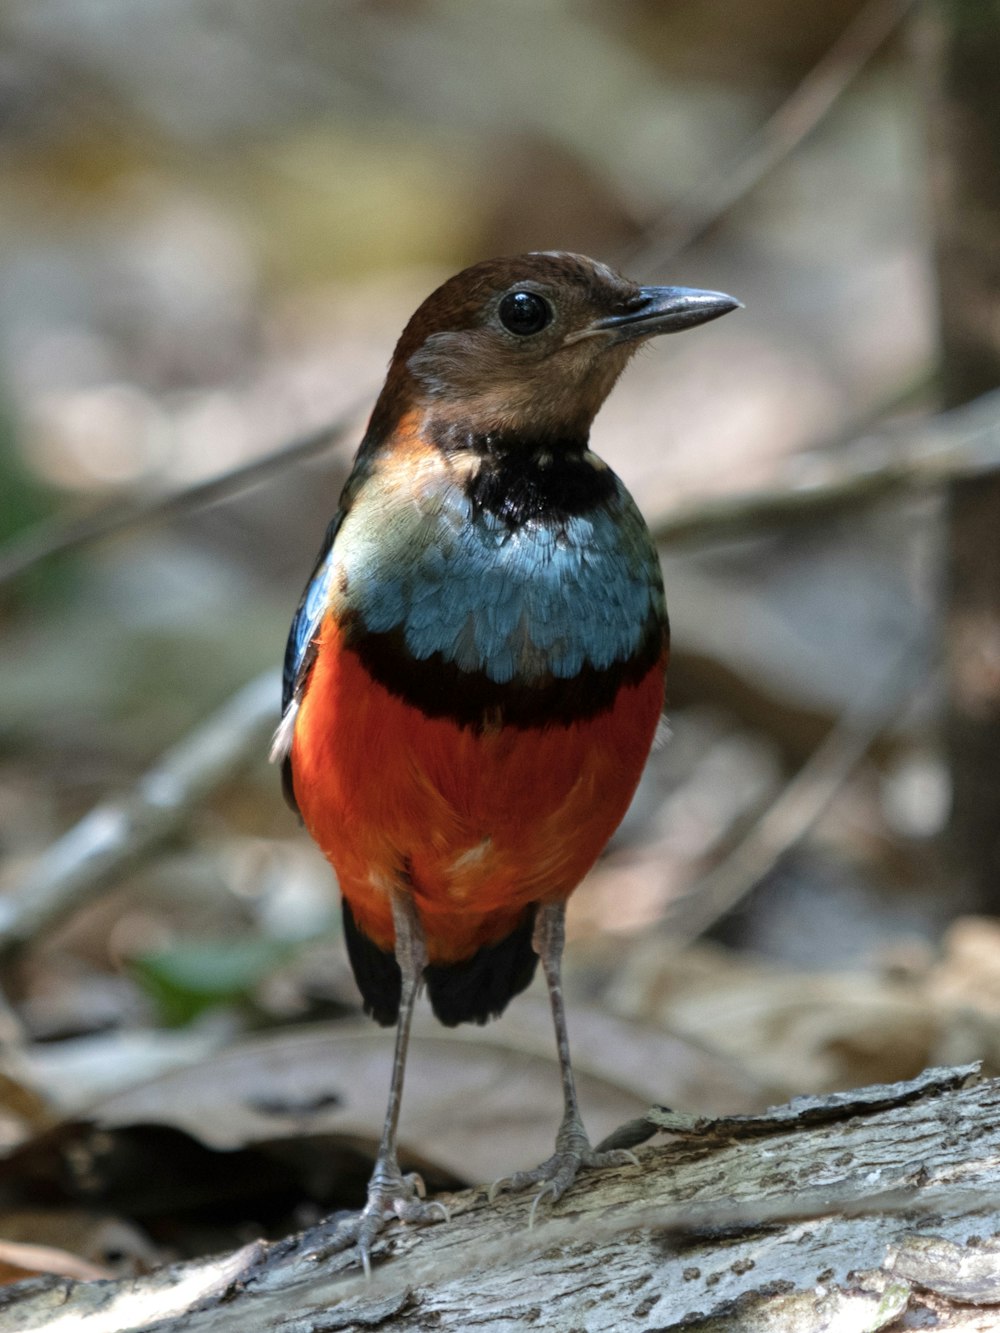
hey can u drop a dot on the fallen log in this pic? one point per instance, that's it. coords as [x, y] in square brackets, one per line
[871, 1210]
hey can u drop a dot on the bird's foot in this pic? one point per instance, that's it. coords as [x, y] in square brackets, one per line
[573, 1153]
[393, 1195]
[390, 1195]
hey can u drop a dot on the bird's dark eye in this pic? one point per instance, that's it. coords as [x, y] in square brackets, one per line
[524, 313]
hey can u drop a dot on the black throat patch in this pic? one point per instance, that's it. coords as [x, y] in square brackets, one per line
[520, 479]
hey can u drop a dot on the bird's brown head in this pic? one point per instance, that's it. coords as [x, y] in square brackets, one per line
[534, 342]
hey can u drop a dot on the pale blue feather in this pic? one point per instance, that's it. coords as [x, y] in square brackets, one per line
[544, 598]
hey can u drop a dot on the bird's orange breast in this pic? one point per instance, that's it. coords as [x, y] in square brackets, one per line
[478, 822]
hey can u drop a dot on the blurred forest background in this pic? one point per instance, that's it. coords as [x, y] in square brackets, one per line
[215, 218]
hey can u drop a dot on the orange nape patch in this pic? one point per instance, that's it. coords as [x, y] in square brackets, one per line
[477, 826]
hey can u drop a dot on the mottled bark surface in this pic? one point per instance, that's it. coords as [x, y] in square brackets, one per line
[878, 1210]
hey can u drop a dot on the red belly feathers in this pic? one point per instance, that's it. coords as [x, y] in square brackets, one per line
[480, 824]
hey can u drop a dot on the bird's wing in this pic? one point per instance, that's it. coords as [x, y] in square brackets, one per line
[300, 650]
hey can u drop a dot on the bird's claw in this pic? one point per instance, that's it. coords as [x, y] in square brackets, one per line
[390, 1196]
[548, 1191]
[559, 1172]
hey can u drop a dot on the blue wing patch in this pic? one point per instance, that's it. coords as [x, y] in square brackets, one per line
[308, 618]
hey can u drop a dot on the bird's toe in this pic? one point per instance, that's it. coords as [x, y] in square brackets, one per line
[391, 1196]
[557, 1174]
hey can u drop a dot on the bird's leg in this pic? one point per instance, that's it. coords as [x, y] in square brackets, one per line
[573, 1149]
[390, 1193]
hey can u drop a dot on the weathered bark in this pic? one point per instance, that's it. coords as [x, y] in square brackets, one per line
[963, 49]
[871, 1211]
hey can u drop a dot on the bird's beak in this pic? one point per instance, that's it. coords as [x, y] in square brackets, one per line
[656, 310]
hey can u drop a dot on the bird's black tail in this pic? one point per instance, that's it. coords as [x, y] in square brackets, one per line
[472, 991]
[481, 987]
[375, 970]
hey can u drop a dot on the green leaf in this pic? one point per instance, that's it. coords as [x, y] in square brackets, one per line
[192, 976]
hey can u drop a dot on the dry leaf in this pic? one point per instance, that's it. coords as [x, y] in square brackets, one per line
[478, 1102]
[108, 1243]
[19, 1260]
[795, 1031]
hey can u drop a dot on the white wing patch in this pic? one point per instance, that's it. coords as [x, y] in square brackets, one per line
[281, 743]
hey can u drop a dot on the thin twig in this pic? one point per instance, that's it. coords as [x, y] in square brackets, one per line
[776, 140]
[800, 804]
[59, 535]
[909, 458]
[118, 835]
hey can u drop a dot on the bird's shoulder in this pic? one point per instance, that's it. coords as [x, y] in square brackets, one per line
[391, 495]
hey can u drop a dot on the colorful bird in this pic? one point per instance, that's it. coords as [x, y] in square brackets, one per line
[476, 668]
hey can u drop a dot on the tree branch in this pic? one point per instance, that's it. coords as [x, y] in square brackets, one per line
[118, 835]
[862, 1206]
[60, 535]
[808, 105]
[912, 458]
[799, 804]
